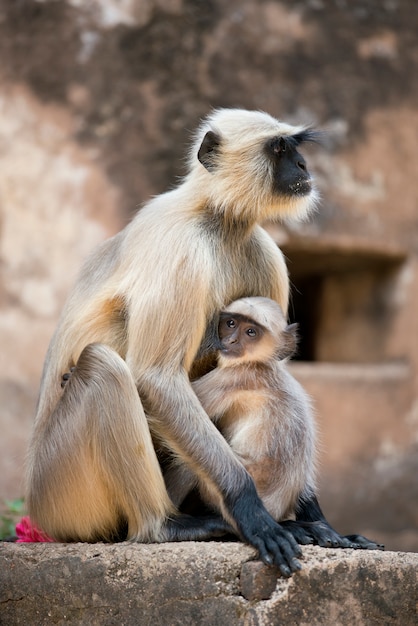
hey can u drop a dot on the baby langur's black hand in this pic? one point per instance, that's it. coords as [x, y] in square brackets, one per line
[66, 377]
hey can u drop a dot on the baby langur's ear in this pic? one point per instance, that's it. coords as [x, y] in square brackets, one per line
[289, 343]
[292, 329]
[208, 150]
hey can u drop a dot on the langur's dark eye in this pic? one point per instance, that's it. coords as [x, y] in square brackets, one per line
[251, 332]
[277, 145]
[230, 323]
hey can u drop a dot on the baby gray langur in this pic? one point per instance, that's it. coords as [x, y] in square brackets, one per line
[266, 417]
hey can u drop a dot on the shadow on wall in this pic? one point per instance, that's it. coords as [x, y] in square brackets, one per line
[343, 299]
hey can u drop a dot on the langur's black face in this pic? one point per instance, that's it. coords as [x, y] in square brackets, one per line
[291, 176]
[238, 335]
[286, 166]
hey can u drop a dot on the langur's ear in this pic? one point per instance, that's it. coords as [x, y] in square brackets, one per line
[209, 149]
[289, 341]
[292, 329]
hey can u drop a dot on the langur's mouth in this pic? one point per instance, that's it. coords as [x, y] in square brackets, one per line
[229, 352]
[301, 187]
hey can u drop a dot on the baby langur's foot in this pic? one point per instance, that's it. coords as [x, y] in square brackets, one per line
[66, 377]
[322, 534]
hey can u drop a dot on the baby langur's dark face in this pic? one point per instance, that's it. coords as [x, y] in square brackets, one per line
[238, 335]
[242, 338]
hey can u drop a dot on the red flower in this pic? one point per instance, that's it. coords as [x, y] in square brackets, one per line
[27, 532]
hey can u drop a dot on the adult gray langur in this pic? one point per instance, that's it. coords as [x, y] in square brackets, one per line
[131, 330]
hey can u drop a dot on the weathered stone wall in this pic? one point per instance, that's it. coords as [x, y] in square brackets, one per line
[202, 584]
[96, 103]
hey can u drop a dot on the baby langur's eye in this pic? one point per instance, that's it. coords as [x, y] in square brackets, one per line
[230, 323]
[251, 332]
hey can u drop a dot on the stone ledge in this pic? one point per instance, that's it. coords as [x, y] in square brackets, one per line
[202, 584]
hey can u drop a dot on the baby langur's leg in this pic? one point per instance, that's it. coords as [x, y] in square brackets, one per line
[180, 481]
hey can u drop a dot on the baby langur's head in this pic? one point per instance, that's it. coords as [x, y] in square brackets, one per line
[255, 330]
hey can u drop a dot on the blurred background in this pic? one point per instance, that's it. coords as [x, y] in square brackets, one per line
[98, 100]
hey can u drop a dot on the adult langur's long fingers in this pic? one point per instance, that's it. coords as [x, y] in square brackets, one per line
[284, 557]
[290, 556]
[263, 553]
[295, 547]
